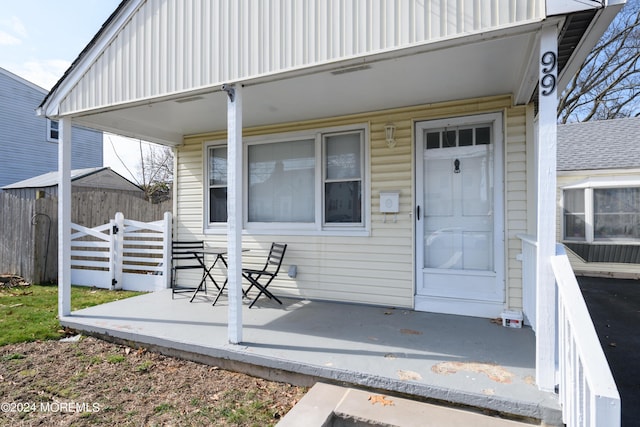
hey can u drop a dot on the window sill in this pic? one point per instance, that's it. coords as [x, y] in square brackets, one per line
[288, 232]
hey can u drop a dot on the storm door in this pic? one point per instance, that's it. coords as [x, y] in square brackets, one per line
[459, 218]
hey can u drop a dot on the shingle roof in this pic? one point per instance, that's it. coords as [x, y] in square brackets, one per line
[602, 144]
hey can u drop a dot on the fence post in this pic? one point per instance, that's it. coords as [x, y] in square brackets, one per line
[112, 253]
[118, 253]
[166, 250]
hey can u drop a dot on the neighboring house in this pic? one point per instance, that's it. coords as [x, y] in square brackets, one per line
[292, 121]
[89, 179]
[599, 196]
[28, 143]
[29, 214]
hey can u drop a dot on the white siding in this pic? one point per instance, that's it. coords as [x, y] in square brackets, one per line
[377, 269]
[171, 46]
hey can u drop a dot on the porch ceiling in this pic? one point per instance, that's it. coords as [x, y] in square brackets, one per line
[477, 66]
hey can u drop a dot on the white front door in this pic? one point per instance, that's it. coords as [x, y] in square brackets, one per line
[459, 216]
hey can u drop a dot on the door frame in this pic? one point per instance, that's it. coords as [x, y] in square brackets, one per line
[461, 306]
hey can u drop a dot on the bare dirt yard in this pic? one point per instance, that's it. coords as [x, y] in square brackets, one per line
[93, 382]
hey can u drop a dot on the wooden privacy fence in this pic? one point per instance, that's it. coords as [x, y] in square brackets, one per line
[29, 227]
[122, 254]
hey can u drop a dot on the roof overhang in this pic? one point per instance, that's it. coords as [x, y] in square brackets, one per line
[498, 62]
[488, 64]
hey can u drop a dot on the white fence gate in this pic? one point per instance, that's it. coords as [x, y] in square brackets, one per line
[123, 254]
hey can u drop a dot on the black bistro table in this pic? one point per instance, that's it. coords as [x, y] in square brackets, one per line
[218, 256]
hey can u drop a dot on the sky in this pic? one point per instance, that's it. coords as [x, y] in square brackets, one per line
[39, 39]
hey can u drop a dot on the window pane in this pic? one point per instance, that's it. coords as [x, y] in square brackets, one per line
[281, 182]
[574, 224]
[574, 227]
[616, 200]
[574, 201]
[343, 156]
[218, 166]
[466, 137]
[477, 250]
[483, 136]
[433, 140]
[449, 138]
[54, 130]
[477, 187]
[343, 201]
[616, 213]
[218, 204]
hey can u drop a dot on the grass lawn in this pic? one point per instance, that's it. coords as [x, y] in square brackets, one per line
[31, 313]
[128, 386]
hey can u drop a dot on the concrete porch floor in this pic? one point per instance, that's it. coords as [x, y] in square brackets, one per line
[454, 359]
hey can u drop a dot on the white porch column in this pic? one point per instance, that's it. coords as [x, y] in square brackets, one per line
[546, 210]
[64, 217]
[234, 211]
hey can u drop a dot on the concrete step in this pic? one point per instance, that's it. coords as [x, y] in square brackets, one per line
[328, 405]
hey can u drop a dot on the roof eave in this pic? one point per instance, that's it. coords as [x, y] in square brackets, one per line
[592, 34]
[49, 106]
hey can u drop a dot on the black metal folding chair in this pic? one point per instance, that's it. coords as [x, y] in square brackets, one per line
[187, 255]
[261, 279]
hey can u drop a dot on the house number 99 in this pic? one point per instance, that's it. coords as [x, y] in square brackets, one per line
[549, 62]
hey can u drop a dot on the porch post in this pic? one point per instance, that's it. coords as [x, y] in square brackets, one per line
[546, 210]
[234, 211]
[64, 217]
[166, 250]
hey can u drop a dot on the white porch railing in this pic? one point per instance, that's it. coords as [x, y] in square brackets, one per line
[123, 254]
[587, 391]
[529, 260]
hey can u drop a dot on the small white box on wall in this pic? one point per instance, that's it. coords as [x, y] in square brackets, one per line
[389, 202]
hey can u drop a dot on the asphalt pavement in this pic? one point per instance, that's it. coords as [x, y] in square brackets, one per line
[614, 305]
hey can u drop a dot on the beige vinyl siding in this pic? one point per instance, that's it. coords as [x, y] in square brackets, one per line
[171, 46]
[516, 200]
[377, 269]
[189, 197]
[580, 267]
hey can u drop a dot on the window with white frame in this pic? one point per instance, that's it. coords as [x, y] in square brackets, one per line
[602, 214]
[217, 194]
[342, 161]
[281, 182]
[52, 130]
[305, 181]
